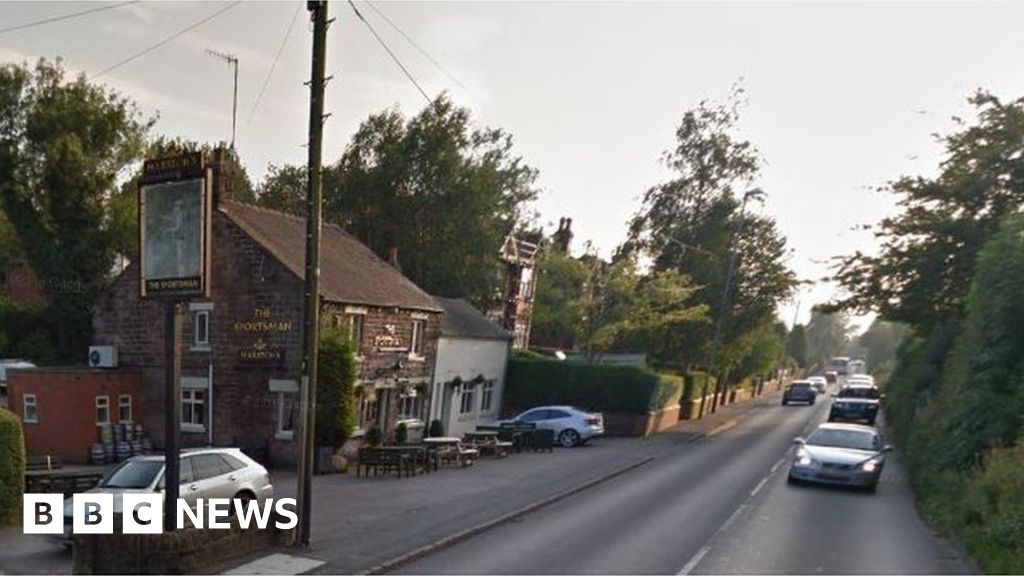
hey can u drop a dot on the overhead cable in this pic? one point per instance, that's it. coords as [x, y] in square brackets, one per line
[63, 17]
[390, 53]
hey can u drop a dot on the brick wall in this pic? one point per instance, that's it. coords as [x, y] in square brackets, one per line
[66, 407]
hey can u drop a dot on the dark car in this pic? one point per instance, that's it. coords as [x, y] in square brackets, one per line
[800, 391]
[856, 402]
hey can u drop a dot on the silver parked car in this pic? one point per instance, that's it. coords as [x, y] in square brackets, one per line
[819, 383]
[205, 473]
[843, 454]
[571, 425]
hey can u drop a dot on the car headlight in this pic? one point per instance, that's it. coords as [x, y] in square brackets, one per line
[804, 459]
[869, 466]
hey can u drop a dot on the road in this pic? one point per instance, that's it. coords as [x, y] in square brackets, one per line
[720, 506]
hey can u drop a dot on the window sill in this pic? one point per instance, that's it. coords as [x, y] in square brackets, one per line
[200, 348]
[193, 428]
[416, 358]
[288, 435]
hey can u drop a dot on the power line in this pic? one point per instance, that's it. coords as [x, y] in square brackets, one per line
[174, 36]
[280, 49]
[390, 53]
[65, 16]
[416, 46]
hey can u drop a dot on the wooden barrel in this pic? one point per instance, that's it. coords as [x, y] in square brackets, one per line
[147, 446]
[122, 451]
[128, 431]
[136, 447]
[106, 433]
[108, 452]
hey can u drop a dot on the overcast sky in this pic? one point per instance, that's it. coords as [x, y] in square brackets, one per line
[843, 97]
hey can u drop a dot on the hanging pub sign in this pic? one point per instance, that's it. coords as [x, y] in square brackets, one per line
[174, 226]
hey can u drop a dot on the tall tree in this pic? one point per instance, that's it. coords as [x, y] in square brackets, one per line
[928, 252]
[557, 312]
[442, 190]
[796, 345]
[691, 223]
[63, 144]
[827, 336]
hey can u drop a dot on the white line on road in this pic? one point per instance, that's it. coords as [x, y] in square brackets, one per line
[777, 464]
[760, 485]
[694, 561]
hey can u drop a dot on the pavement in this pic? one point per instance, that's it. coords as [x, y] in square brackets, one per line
[720, 506]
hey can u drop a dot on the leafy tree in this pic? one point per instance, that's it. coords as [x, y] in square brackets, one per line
[443, 191]
[827, 336]
[62, 146]
[691, 223]
[796, 345]
[557, 312]
[284, 190]
[928, 252]
[880, 342]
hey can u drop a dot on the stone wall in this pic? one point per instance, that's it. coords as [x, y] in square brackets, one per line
[188, 551]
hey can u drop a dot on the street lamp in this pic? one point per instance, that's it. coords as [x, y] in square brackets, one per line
[758, 194]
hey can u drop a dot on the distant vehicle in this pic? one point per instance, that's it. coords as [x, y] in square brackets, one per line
[831, 376]
[842, 454]
[571, 425]
[857, 367]
[856, 402]
[841, 364]
[860, 379]
[819, 383]
[205, 473]
[799, 391]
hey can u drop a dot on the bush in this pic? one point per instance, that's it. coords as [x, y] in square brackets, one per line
[12, 467]
[668, 391]
[401, 433]
[374, 436]
[336, 410]
[536, 382]
[436, 429]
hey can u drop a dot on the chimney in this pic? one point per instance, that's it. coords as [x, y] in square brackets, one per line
[393, 258]
[221, 181]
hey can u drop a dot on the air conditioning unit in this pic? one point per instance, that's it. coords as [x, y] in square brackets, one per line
[103, 356]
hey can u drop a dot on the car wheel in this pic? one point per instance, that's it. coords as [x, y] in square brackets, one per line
[791, 480]
[569, 438]
[785, 402]
[244, 497]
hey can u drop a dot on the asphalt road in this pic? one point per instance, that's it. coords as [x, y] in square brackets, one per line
[719, 506]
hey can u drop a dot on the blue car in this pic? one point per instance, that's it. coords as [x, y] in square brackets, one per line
[799, 391]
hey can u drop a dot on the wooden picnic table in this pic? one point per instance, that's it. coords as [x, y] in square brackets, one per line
[450, 448]
[488, 441]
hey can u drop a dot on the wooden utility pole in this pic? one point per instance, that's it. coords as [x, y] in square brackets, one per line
[311, 322]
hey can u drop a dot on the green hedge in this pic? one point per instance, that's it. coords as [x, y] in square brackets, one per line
[537, 382]
[693, 385]
[12, 467]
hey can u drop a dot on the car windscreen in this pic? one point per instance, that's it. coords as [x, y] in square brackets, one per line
[136, 474]
[865, 392]
[835, 438]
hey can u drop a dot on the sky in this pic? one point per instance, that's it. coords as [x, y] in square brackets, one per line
[842, 97]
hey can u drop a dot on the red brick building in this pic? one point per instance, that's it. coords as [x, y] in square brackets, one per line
[61, 408]
[242, 346]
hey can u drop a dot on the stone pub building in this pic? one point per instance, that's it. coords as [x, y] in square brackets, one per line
[241, 348]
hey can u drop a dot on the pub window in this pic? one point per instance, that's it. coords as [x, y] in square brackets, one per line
[193, 409]
[354, 324]
[409, 407]
[103, 409]
[124, 408]
[29, 409]
[287, 414]
[486, 396]
[368, 413]
[467, 400]
[202, 322]
[416, 342]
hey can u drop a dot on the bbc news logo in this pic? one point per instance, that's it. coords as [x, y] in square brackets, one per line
[93, 513]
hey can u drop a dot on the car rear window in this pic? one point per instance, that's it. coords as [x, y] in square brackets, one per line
[870, 393]
[854, 439]
[799, 386]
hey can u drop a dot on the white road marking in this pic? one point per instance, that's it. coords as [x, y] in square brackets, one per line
[278, 564]
[777, 464]
[760, 485]
[694, 561]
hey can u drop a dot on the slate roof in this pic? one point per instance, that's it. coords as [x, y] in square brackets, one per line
[349, 271]
[461, 320]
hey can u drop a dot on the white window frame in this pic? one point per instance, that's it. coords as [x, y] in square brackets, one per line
[410, 408]
[487, 396]
[202, 319]
[467, 392]
[105, 405]
[25, 403]
[200, 309]
[121, 404]
[285, 389]
[189, 388]
[416, 340]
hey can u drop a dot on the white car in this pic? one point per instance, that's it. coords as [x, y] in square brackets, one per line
[866, 379]
[205, 473]
[571, 425]
[818, 383]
